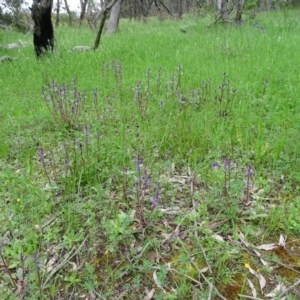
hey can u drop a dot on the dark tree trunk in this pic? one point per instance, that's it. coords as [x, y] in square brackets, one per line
[102, 22]
[83, 4]
[43, 34]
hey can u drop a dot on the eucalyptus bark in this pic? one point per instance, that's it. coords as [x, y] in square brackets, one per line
[113, 21]
[223, 9]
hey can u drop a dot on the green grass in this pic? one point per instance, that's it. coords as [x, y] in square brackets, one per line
[205, 123]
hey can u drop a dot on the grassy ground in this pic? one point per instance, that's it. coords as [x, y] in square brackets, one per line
[164, 165]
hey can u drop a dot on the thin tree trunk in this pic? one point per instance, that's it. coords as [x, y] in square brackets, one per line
[102, 22]
[68, 11]
[57, 13]
[260, 5]
[223, 9]
[239, 10]
[270, 4]
[83, 4]
[114, 18]
[180, 10]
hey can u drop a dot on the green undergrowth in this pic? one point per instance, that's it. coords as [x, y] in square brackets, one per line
[153, 165]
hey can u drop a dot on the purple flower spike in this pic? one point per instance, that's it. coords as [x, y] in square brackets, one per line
[139, 162]
[227, 165]
[249, 171]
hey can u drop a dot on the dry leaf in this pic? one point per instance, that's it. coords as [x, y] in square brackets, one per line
[265, 263]
[218, 238]
[74, 266]
[266, 247]
[243, 239]
[170, 211]
[252, 287]
[157, 283]
[149, 295]
[51, 262]
[261, 279]
[278, 289]
[282, 240]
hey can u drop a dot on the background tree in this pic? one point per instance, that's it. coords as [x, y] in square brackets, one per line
[114, 17]
[106, 10]
[68, 11]
[223, 9]
[83, 6]
[57, 9]
[14, 14]
[239, 5]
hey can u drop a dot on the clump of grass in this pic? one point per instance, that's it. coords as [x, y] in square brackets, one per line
[65, 104]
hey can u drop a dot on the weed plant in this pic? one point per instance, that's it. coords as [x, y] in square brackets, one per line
[142, 165]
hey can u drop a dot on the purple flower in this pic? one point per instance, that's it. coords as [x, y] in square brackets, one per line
[214, 165]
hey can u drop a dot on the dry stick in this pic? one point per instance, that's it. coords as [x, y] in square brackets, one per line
[249, 297]
[180, 273]
[192, 181]
[288, 289]
[7, 271]
[67, 258]
[211, 289]
[97, 294]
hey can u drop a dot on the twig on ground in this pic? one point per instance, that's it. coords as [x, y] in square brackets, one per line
[67, 258]
[288, 289]
[211, 289]
[205, 257]
[178, 272]
[249, 297]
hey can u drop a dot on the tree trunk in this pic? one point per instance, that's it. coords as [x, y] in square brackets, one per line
[102, 22]
[223, 9]
[270, 4]
[43, 34]
[260, 5]
[68, 11]
[239, 10]
[57, 13]
[83, 4]
[180, 12]
[114, 18]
